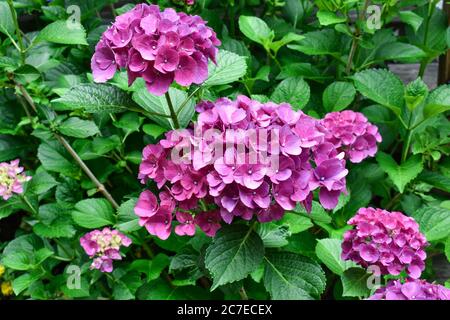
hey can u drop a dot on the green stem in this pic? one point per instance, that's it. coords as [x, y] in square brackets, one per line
[185, 102]
[27, 202]
[148, 250]
[408, 139]
[356, 38]
[243, 294]
[173, 114]
[19, 35]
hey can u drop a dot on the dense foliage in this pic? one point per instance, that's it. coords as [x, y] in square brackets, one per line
[98, 98]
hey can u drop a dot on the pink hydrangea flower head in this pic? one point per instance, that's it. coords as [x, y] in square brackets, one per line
[12, 179]
[103, 247]
[158, 46]
[411, 290]
[352, 133]
[388, 240]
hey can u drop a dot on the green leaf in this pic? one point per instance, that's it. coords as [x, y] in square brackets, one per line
[411, 18]
[6, 19]
[273, 235]
[436, 180]
[329, 252]
[324, 42]
[448, 37]
[438, 101]
[235, 252]
[26, 280]
[158, 104]
[317, 213]
[338, 96]
[434, 222]
[54, 157]
[292, 90]
[327, 18]
[78, 128]
[42, 182]
[54, 222]
[127, 220]
[295, 222]
[26, 74]
[93, 213]
[230, 68]
[289, 276]
[63, 32]
[402, 174]
[381, 86]
[94, 98]
[286, 39]
[447, 248]
[11, 147]
[354, 283]
[153, 130]
[130, 122]
[82, 292]
[19, 261]
[256, 29]
[399, 51]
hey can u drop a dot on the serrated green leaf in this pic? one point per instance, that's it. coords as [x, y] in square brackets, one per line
[273, 235]
[399, 51]
[436, 180]
[55, 158]
[327, 18]
[293, 90]
[329, 252]
[235, 252]
[6, 19]
[127, 220]
[324, 42]
[411, 18]
[381, 86]
[26, 280]
[230, 68]
[78, 128]
[402, 174]
[295, 222]
[93, 213]
[338, 96]
[289, 276]
[354, 283]
[63, 32]
[438, 101]
[94, 98]
[434, 222]
[447, 249]
[42, 182]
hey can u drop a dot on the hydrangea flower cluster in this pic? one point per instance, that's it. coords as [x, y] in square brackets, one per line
[104, 247]
[351, 133]
[389, 240]
[243, 157]
[158, 46]
[411, 290]
[12, 179]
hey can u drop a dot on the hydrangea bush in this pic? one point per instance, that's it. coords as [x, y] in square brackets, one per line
[216, 151]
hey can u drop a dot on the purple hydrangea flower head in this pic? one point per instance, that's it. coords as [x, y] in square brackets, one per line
[103, 247]
[158, 46]
[352, 133]
[411, 290]
[12, 179]
[241, 159]
[389, 240]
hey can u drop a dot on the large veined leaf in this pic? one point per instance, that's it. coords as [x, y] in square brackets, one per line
[399, 51]
[402, 174]
[438, 101]
[255, 29]
[235, 252]
[411, 18]
[338, 96]
[381, 86]
[434, 222]
[324, 42]
[293, 90]
[329, 252]
[94, 98]
[437, 180]
[290, 276]
[327, 18]
[11, 147]
[230, 67]
[158, 104]
[63, 32]
[93, 213]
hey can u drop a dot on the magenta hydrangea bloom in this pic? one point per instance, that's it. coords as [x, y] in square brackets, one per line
[158, 46]
[388, 240]
[352, 133]
[246, 159]
[12, 179]
[411, 290]
[103, 247]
